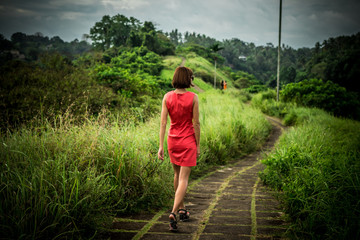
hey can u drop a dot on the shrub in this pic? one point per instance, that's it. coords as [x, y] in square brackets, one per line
[49, 87]
[255, 88]
[205, 76]
[326, 95]
[266, 102]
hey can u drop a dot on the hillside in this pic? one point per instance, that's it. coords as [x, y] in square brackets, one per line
[203, 71]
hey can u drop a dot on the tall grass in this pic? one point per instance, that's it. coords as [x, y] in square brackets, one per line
[68, 180]
[266, 102]
[229, 128]
[202, 85]
[316, 165]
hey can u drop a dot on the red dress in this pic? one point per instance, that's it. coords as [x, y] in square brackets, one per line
[181, 135]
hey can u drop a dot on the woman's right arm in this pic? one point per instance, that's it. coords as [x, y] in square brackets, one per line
[164, 115]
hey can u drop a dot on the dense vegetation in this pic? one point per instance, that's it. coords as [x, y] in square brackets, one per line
[119, 31]
[31, 47]
[315, 166]
[325, 95]
[79, 129]
[335, 59]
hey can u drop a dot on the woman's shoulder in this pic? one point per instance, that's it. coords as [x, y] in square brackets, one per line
[192, 94]
[168, 93]
[166, 96]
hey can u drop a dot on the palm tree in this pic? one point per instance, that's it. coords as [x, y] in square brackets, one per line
[215, 48]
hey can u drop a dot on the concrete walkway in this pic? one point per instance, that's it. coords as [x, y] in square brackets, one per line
[229, 203]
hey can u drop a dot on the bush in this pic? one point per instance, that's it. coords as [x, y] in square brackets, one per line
[266, 102]
[325, 95]
[255, 88]
[49, 87]
[132, 74]
[205, 76]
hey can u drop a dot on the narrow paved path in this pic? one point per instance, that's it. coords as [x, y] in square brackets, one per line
[229, 203]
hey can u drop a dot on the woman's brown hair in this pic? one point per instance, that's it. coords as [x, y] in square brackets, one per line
[182, 78]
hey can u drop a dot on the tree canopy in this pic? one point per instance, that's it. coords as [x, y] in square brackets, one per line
[120, 31]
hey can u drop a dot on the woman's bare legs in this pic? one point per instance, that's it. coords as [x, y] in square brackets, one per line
[181, 178]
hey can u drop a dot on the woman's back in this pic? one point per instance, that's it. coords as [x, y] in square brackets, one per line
[180, 107]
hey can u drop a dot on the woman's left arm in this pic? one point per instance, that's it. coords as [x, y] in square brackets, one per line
[196, 123]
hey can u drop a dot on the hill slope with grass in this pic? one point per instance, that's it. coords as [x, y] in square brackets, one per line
[202, 68]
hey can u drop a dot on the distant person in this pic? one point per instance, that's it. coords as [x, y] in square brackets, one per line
[183, 137]
[223, 85]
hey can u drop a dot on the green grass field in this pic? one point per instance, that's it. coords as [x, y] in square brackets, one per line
[316, 169]
[68, 180]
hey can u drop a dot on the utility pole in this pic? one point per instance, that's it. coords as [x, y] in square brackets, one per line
[215, 76]
[278, 63]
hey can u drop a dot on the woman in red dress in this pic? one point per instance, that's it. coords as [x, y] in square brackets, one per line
[183, 137]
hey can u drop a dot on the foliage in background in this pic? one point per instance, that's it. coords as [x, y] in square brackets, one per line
[266, 102]
[243, 80]
[326, 95]
[312, 93]
[256, 88]
[337, 60]
[131, 74]
[316, 167]
[125, 80]
[119, 30]
[49, 87]
[31, 47]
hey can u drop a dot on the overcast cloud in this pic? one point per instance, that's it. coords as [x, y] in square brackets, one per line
[304, 22]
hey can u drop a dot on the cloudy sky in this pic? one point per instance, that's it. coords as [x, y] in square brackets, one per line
[305, 22]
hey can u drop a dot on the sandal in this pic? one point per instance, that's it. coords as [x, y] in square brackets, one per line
[184, 215]
[173, 223]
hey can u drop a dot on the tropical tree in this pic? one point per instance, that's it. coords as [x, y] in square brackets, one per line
[100, 34]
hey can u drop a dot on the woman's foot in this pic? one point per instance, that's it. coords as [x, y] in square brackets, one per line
[173, 222]
[184, 215]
